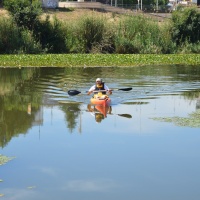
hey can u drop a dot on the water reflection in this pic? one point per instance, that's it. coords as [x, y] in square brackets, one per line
[99, 112]
[65, 154]
[72, 112]
[23, 92]
[198, 103]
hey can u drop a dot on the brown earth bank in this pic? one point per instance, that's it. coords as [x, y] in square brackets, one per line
[69, 15]
[78, 13]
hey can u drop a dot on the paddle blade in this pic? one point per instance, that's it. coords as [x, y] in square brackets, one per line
[73, 92]
[125, 89]
[125, 115]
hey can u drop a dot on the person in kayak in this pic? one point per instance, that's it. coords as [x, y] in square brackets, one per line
[100, 85]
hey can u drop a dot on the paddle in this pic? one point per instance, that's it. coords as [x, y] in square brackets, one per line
[123, 89]
[73, 92]
[76, 92]
[125, 115]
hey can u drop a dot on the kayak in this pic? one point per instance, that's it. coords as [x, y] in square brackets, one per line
[100, 99]
[99, 111]
[102, 109]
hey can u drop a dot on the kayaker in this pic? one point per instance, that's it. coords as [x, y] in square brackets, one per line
[100, 85]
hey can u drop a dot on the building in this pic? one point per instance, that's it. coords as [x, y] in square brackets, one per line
[50, 3]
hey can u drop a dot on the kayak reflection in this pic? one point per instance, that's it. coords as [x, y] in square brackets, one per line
[100, 112]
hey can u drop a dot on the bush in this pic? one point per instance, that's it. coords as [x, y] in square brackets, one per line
[186, 26]
[186, 48]
[92, 34]
[9, 36]
[24, 12]
[52, 35]
[29, 44]
[15, 40]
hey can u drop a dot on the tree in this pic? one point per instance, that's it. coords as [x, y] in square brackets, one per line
[186, 26]
[24, 12]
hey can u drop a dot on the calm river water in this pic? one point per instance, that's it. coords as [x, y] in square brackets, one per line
[146, 146]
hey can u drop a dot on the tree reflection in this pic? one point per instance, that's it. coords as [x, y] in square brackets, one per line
[15, 118]
[14, 121]
[72, 112]
[23, 92]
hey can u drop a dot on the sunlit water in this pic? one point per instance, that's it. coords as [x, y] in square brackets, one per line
[64, 151]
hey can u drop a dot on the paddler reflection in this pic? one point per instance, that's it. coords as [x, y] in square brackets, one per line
[198, 103]
[29, 109]
[100, 112]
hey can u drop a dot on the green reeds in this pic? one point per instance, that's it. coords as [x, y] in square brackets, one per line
[93, 35]
[139, 34]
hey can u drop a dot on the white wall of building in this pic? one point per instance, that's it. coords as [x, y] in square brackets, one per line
[50, 3]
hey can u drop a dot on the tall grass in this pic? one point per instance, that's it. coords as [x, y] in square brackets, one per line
[139, 34]
[93, 35]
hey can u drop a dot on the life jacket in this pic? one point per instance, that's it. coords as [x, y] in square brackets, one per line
[100, 87]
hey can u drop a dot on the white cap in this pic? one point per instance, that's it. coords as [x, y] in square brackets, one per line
[98, 79]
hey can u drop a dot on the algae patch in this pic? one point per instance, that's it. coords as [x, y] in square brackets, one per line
[4, 159]
[193, 120]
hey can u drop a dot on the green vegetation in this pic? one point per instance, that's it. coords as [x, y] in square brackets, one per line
[25, 31]
[24, 12]
[142, 36]
[4, 159]
[186, 26]
[88, 60]
[192, 121]
[14, 104]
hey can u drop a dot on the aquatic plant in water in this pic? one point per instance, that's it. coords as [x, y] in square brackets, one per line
[91, 60]
[4, 159]
[192, 121]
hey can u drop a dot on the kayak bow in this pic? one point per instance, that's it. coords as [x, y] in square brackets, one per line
[100, 99]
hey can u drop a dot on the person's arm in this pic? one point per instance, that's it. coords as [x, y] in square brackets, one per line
[90, 91]
[107, 89]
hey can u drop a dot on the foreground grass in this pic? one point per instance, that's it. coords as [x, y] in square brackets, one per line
[93, 60]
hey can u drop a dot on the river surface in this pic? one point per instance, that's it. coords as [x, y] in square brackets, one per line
[145, 146]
